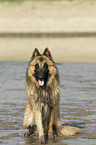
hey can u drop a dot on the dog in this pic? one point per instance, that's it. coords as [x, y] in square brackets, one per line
[43, 95]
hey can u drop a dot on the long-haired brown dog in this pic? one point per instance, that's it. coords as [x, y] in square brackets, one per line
[43, 94]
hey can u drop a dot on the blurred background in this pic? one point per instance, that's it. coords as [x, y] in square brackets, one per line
[67, 27]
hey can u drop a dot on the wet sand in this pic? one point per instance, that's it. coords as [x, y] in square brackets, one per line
[77, 103]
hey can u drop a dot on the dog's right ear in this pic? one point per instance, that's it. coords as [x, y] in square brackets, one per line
[47, 53]
[35, 53]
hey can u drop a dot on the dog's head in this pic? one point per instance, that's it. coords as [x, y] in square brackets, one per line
[42, 66]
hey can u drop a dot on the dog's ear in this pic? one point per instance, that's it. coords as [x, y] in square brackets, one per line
[35, 53]
[47, 53]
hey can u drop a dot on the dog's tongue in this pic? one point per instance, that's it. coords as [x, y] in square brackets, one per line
[41, 82]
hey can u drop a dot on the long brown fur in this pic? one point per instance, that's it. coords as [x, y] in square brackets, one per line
[42, 111]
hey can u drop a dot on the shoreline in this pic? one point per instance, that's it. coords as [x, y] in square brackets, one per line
[47, 34]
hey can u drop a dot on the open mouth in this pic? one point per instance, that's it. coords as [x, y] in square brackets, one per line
[41, 82]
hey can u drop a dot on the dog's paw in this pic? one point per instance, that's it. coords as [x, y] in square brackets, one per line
[26, 134]
[42, 140]
[50, 136]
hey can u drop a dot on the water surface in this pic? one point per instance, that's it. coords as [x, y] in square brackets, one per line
[77, 102]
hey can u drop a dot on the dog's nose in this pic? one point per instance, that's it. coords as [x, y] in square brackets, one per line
[41, 75]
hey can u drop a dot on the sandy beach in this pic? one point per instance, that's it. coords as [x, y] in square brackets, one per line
[48, 17]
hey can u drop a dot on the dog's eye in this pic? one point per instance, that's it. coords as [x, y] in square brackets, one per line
[45, 65]
[37, 66]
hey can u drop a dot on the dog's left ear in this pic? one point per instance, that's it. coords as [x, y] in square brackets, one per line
[47, 53]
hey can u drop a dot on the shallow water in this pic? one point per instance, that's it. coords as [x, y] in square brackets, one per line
[77, 103]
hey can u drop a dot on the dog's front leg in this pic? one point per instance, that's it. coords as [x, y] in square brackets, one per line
[51, 121]
[38, 121]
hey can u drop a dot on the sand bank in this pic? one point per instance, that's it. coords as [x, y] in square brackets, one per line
[63, 49]
[49, 16]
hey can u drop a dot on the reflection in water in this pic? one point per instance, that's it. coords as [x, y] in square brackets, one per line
[77, 102]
